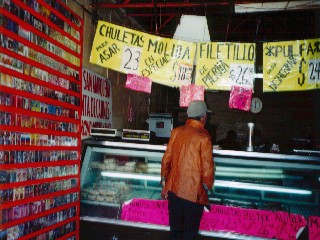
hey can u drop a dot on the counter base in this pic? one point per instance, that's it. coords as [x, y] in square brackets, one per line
[108, 229]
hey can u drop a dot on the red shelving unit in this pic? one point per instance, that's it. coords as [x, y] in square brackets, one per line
[40, 111]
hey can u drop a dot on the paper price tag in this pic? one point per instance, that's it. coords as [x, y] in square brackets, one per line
[241, 74]
[183, 74]
[130, 59]
[314, 71]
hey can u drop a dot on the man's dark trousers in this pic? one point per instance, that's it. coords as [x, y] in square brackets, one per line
[184, 218]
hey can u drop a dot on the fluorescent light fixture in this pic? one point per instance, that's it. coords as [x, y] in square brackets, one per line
[260, 187]
[217, 183]
[130, 176]
[276, 6]
[251, 175]
[249, 170]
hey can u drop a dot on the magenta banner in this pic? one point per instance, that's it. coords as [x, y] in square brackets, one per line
[260, 223]
[314, 227]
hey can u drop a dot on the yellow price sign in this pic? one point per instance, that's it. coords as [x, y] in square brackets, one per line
[117, 48]
[223, 64]
[167, 61]
[291, 65]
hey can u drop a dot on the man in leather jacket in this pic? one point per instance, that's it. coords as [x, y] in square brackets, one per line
[187, 173]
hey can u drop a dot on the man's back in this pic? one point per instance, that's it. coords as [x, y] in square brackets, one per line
[189, 154]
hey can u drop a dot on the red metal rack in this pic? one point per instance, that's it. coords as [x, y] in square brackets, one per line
[40, 111]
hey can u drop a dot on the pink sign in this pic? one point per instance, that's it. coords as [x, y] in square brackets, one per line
[189, 93]
[314, 227]
[260, 223]
[240, 98]
[147, 211]
[138, 83]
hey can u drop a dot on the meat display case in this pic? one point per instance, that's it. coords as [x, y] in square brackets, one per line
[114, 172]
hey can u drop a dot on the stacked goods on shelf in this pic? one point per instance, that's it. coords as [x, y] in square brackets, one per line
[40, 92]
[102, 191]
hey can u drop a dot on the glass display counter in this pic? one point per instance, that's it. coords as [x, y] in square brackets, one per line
[115, 172]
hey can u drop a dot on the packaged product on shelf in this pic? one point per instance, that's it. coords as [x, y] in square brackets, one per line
[19, 175]
[2, 159]
[4, 176]
[2, 137]
[25, 139]
[9, 195]
[29, 174]
[7, 138]
[17, 212]
[13, 175]
[27, 191]
[9, 157]
[2, 197]
[10, 214]
[2, 118]
[31, 191]
[12, 138]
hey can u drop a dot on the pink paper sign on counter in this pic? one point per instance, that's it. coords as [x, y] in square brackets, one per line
[253, 222]
[138, 83]
[147, 211]
[314, 227]
[260, 223]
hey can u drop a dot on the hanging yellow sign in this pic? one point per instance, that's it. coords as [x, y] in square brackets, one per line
[167, 61]
[223, 64]
[163, 60]
[291, 65]
[117, 48]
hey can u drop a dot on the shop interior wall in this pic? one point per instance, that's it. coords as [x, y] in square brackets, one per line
[284, 115]
[122, 99]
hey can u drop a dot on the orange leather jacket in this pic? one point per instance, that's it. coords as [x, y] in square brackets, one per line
[188, 163]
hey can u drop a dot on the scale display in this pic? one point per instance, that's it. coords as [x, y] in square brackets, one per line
[136, 135]
[105, 132]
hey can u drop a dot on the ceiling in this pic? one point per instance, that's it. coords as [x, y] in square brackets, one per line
[271, 20]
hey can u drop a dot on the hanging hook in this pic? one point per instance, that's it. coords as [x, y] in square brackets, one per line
[155, 15]
[257, 27]
[230, 19]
